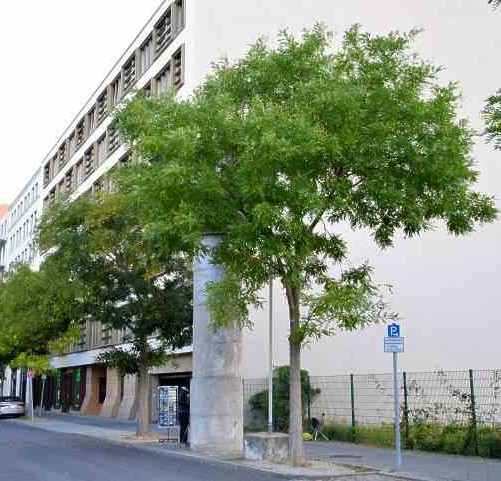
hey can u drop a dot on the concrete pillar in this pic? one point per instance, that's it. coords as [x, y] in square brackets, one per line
[127, 409]
[113, 393]
[90, 404]
[154, 383]
[216, 401]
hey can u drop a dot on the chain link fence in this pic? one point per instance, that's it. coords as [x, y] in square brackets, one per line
[469, 398]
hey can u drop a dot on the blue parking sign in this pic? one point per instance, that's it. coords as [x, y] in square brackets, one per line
[394, 330]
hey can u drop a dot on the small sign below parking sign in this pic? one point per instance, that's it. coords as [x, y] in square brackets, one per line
[393, 344]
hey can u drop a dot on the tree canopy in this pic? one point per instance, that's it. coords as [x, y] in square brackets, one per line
[37, 312]
[127, 282]
[281, 148]
[492, 116]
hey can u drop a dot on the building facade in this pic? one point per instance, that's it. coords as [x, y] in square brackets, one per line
[17, 246]
[444, 288]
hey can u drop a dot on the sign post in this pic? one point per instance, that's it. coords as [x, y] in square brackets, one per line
[395, 344]
[29, 377]
[44, 378]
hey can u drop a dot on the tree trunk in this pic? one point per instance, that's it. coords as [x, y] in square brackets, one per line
[295, 401]
[143, 401]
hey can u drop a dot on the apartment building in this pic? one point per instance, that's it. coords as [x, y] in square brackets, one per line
[17, 246]
[4, 211]
[431, 275]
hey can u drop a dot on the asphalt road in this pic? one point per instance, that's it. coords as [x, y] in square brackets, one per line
[30, 454]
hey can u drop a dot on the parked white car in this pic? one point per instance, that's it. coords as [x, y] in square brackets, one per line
[11, 406]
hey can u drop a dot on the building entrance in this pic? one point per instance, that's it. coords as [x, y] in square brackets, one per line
[182, 381]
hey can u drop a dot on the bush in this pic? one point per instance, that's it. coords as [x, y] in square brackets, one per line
[259, 401]
[427, 437]
[489, 443]
[456, 439]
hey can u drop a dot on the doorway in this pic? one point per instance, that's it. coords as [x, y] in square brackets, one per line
[182, 381]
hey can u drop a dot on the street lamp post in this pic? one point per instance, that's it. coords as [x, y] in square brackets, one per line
[270, 359]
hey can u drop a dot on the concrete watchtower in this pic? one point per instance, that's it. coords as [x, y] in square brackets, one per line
[216, 404]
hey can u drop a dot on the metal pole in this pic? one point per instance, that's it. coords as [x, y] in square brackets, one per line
[270, 361]
[396, 389]
[406, 413]
[473, 413]
[352, 395]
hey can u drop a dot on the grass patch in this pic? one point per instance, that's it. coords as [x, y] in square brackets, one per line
[450, 439]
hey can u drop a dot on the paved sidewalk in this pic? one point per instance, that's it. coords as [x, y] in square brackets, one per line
[427, 465]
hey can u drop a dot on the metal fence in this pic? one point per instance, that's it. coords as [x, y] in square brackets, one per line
[444, 397]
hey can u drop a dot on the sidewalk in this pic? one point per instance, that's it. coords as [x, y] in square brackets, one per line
[344, 457]
[427, 465]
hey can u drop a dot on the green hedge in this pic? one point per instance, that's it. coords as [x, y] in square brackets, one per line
[450, 439]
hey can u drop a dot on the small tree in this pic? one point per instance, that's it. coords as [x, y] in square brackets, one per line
[128, 282]
[288, 148]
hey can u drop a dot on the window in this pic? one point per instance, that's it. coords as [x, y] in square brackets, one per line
[105, 334]
[89, 161]
[62, 156]
[79, 172]
[60, 188]
[129, 73]
[69, 181]
[91, 121]
[46, 174]
[72, 145]
[80, 133]
[178, 68]
[101, 106]
[113, 139]
[98, 186]
[163, 80]
[178, 16]
[115, 91]
[101, 150]
[146, 55]
[163, 32]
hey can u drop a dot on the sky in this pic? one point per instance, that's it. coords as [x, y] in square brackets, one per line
[54, 54]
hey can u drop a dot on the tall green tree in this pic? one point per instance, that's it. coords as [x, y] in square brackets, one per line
[128, 282]
[282, 151]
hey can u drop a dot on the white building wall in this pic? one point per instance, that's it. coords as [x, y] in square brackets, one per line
[445, 288]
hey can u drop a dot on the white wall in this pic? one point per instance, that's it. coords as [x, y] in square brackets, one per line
[445, 288]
